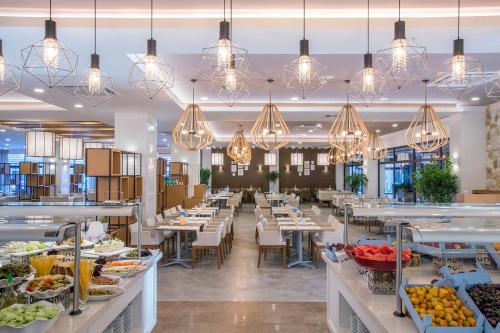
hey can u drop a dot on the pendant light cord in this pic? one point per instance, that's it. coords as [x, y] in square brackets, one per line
[425, 92]
[95, 26]
[347, 83]
[151, 20]
[458, 26]
[399, 11]
[224, 10]
[50, 10]
[270, 90]
[231, 20]
[304, 19]
[368, 27]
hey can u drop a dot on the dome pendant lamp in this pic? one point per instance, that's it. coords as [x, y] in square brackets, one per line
[49, 61]
[149, 74]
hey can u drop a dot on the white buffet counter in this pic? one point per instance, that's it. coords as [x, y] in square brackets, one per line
[140, 292]
[348, 293]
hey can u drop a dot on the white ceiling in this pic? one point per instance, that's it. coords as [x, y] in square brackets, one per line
[270, 30]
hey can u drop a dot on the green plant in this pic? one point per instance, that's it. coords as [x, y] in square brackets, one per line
[355, 182]
[205, 174]
[435, 183]
[272, 176]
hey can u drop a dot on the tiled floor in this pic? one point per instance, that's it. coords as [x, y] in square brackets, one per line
[239, 297]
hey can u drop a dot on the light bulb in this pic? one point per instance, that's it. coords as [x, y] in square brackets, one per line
[399, 54]
[304, 69]
[151, 68]
[2, 68]
[94, 81]
[231, 79]
[368, 80]
[458, 68]
[50, 52]
[224, 55]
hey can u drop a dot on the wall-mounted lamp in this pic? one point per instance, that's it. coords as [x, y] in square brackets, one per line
[220, 168]
[287, 168]
[326, 168]
[260, 168]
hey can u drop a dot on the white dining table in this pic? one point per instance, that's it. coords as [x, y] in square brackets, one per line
[298, 228]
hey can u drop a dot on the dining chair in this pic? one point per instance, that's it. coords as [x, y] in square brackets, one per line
[270, 240]
[207, 240]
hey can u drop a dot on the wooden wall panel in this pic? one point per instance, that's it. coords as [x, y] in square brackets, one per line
[319, 178]
[255, 176]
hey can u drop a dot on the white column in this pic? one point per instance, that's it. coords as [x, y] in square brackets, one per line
[276, 168]
[339, 176]
[206, 162]
[137, 132]
[371, 172]
[62, 173]
[193, 159]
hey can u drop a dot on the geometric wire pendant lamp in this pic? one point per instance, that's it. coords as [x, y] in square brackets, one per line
[96, 87]
[192, 131]
[426, 132]
[369, 84]
[40, 144]
[48, 60]
[375, 148]
[10, 75]
[348, 131]
[149, 74]
[239, 149]
[221, 55]
[231, 84]
[459, 74]
[270, 131]
[493, 91]
[403, 61]
[305, 73]
[337, 156]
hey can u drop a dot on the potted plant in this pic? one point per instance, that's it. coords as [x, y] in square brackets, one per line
[272, 176]
[355, 182]
[205, 174]
[436, 183]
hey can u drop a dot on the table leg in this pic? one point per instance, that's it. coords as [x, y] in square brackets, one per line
[300, 252]
[178, 258]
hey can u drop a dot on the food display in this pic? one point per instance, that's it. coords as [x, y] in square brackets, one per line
[24, 247]
[377, 257]
[441, 304]
[48, 282]
[487, 299]
[133, 253]
[104, 281]
[124, 263]
[86, 273]
[14, 271]
[43, 264]
[100, 292]
[108, 246]
[123, 271]
[20, 316]
[104, 293]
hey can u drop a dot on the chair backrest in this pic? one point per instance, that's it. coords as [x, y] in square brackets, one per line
[260, 227]
[220, 231]
[297, 198]
[159, 218]
[179, 208]
[150, 221]
[173, 210]
[167, 212]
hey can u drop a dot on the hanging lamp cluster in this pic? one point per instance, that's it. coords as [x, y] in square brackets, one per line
[149, 74]
[192, 131]
[304, 74]
[239, 149]
[270, 131]
[426, 132]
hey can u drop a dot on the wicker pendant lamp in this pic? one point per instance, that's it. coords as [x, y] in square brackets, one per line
[337, 156]
[426, 132]
[270, 131]
[348, 131]
[375, 148]
[192, 131]
[239, 149]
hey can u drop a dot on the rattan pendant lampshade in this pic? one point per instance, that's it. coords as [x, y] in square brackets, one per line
[192, 131]
[270, 131]
[426, 132]
[337, 156]
[375, 148]
[348, 131]
[239, 149]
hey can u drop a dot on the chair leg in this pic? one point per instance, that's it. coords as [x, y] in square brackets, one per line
[265, 254]
[221, 250]
[316, 256]
[283, 253]
[193, 257]
[219, 258]
[258, 260]
[256, 235]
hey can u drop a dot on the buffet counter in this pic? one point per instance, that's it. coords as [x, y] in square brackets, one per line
[348, 293]
[140, 293]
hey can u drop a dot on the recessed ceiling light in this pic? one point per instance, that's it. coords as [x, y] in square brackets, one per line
[168, 145]
[204, 98]
[294, 98]
[2, 130]
[301, 125]
[384, 98]
[78, 106]
[475, 98]
[310, 131]
[394, 125]
[6, 144]
[165, 140]
[319, 125]
[39, 90]
[377, 130]
[299, 142]
[7, 139]
[304, 135]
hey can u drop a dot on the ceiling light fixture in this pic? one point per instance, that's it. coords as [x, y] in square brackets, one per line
[394, 125]
[270, 131]
[71, 148]
[49, 61]
[39, 90]
[96, 87]
[192, 131]
[78, 106]
[403, 61]
[460, 74]
[239, 149]
[369, 83]
[40, 144]
[304, 73]
[337, 156]
[10, 75]
[375, 148]
[426, 132]
[475, 98]
[149, 74]
[348, 131]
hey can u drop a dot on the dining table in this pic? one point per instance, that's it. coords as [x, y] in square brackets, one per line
[298, 227]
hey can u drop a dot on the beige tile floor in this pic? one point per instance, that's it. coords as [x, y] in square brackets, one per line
[239, 297]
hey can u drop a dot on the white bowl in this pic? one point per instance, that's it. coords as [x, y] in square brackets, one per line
[47, 293]
[36, 326]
